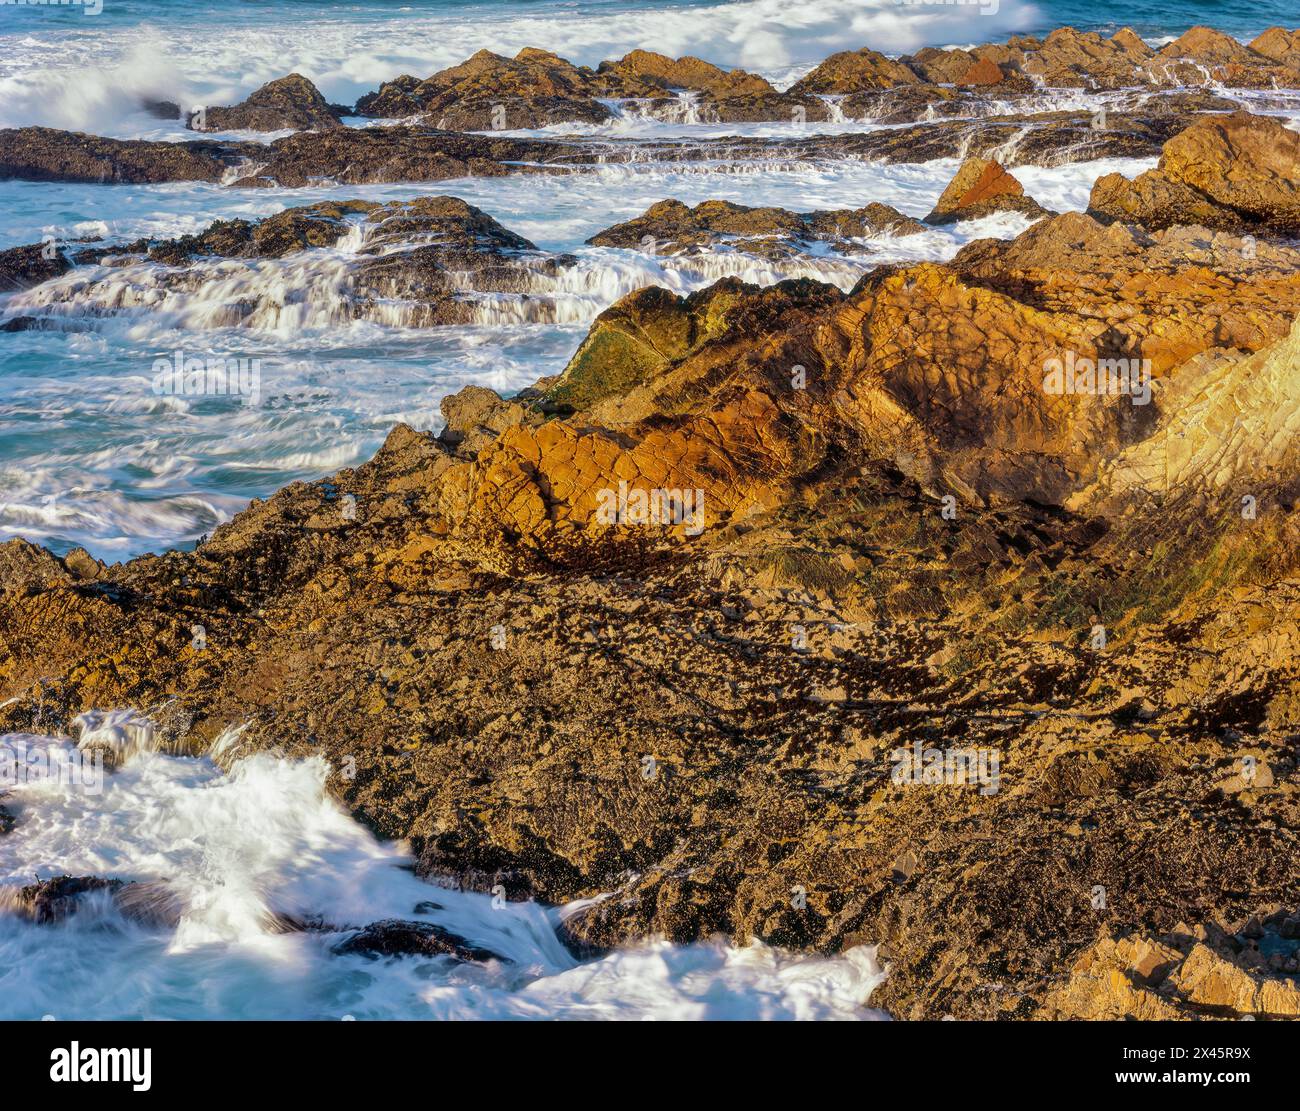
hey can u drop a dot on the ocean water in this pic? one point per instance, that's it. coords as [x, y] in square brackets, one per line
[90, 455]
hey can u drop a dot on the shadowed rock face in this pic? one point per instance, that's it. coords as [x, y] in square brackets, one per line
[353, 156]
[290, 102]
[905, 545]
[1239, 172]
[46, 154]
[346, 155]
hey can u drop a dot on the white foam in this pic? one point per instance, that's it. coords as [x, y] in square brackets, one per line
[231, 854]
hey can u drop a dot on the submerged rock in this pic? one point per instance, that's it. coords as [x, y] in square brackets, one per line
[114, 735]
[395, 937]
[50, 902]
[432, 260]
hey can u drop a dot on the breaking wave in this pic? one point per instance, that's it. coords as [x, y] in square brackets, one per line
[224, 860]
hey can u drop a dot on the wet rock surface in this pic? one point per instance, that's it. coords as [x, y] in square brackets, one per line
[422, 262]
[52, 901]
[22, 267]
[395, 937]
[671, 226]
[289, 102]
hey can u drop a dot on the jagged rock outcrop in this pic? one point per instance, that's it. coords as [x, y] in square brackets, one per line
[1067, 58]
[289, 102]
[1236, 173]
[854, 71]
[981, 187]
[489, 92]
[537, 88]
[1205, 971]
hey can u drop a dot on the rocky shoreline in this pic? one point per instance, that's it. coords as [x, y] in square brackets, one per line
[869, 532]
[992, 101]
